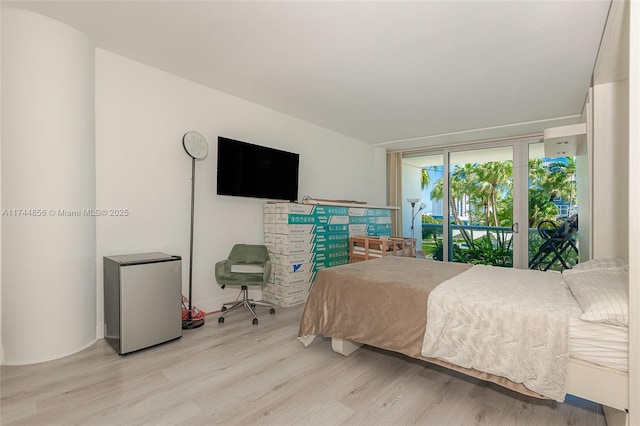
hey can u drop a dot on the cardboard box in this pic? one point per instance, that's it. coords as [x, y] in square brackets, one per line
[300, 219]
[364, 211]
[332, 238]
[290, 249]
[328, 256]
[285, 302]
[375, 228]
[331, 263]
[290, 239]
[319, 259]
[287, 291]
[291, 259]
[281, 228]
[268, 297]
[308, 209]
[294, 249]
[292, 278]
[341, 245]
[358, 229]
[386, 233]
[369, 220]
[298, 268]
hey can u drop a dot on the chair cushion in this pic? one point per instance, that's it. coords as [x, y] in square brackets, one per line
[241, 278]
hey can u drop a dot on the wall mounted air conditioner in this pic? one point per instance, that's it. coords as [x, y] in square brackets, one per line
[564, 141]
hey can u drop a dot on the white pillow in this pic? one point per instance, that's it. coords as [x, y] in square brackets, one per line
[595, 264]
[603, 294]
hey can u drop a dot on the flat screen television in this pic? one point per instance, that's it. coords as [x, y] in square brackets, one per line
[248, 170]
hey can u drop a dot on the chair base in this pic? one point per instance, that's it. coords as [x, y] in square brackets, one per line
[244, 302]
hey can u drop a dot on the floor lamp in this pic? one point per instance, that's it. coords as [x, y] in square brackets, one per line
[196, 146]
[414, 213]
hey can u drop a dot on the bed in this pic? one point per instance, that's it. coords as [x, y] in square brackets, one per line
[384, 303]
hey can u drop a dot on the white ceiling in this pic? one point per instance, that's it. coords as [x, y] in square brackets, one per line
[390, 73]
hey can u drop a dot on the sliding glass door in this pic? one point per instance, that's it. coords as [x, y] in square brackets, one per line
[423, 218]
[480, 201]
[475, 198]
[499, 203]
[552, 210]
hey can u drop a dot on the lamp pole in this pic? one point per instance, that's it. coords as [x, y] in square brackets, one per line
[413, 221]
[413, 202]
[414, 213]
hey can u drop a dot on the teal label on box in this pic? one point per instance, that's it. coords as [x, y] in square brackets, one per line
[379, 212]
[328, 238]
[332, 246]
[379, 227]
[331, 263]
[317, 219]
[332, 210]
[383, 233]
[325, 229]
[327, 256]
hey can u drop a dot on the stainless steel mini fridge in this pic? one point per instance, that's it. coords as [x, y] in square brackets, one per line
[142, 300]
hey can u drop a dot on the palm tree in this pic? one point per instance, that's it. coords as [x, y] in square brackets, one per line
[493, 181]
[488, 187]
[457, 189]
[548, 181]
[562, 173]
[425, 179]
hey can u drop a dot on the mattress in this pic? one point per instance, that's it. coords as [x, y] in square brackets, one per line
[602, 344]
[383, 302]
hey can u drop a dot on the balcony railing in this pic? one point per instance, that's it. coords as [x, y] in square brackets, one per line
[481, 244]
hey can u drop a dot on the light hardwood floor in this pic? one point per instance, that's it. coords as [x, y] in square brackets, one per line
[238, 373]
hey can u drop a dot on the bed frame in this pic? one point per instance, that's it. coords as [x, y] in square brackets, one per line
[605, 386]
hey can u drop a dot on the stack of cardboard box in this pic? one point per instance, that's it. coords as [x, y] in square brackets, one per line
[367, 221]
[304, 238]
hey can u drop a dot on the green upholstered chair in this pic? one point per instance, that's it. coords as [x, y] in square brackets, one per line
[232, 272]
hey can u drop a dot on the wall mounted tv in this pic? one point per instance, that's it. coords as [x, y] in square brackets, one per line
[248, 170]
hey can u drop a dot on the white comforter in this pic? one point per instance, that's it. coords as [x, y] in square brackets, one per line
[508, 322]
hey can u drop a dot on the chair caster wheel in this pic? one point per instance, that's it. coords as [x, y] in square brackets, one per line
[253, 306]
[272, 311]
[255, 321]
[224, 308]
[220, 320]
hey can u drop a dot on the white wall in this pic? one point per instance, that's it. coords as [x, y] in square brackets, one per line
[584, 212]
[584, 185]
[615, 164]
[1, 345]
[380, 176]
[48, 273]
[141, 116]
[611, 170]
[634, 208]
